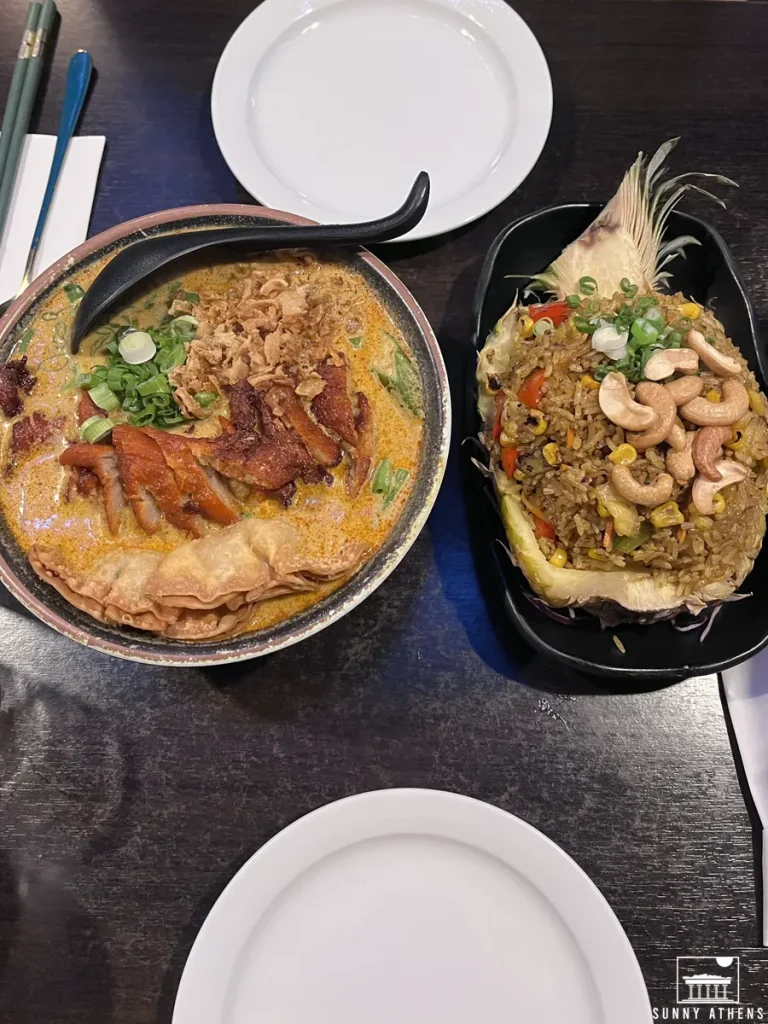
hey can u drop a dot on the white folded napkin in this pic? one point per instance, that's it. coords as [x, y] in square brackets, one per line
[746, 690]
[67, 224]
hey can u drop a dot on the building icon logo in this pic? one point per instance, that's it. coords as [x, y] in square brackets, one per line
[708, 980]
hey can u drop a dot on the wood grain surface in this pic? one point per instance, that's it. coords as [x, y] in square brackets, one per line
[129, 795]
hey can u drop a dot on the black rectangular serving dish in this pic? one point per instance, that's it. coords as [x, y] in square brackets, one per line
[656, 651]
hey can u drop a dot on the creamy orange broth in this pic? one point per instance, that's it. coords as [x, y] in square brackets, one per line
[32, 499]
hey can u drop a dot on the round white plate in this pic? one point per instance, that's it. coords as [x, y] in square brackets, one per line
[414, 906]
[330, 108]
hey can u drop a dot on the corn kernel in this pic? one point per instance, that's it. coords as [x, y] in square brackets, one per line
[701, 522]
[602, 511]
[528, 326]
[519, 475]
[718, 504]
[624, 455]
[507, 441]
[540, 427]
[551, 454]
[667, 514]
[599, 556]
[756, 403]
[691, 310]
[559, 558]
[590, 383]
[713, 396]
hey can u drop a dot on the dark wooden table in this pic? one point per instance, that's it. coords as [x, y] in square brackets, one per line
[129, 795]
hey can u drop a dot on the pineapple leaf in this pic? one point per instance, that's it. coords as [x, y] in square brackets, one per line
[625, 239]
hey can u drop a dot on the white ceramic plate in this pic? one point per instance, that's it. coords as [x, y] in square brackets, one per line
[414, 906]
[330, 108]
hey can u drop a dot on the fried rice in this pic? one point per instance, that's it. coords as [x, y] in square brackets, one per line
[562, 453]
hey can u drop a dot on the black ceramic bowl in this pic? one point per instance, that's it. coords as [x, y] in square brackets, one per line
[656, 651]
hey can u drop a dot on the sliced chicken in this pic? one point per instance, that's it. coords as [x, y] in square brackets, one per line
[192, 478]
[149, 483]
[286, 404]
[243, 408]
[361, 456]
[333, 407]
[15, 380]
[101, 460]
[87, 408]
[267, 460]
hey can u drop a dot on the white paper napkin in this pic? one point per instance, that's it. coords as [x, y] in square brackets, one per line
[746, 690]
[67, 224]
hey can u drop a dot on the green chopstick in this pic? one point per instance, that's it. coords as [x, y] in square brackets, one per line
[28, 94]
[17, 81]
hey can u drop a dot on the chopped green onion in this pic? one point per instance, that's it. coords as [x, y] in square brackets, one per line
[645, 356]
[673, 340]
[158, 385]
[103, 396]
[407, 381]
[73, 292]
[356, 342]
[654, 314]
[115, 378]
[95, 428]
[403, 382]
[593, 306]
[684, 324]
[184, 326]
[574, 301]
[643, 303]
[206, 398]
[587, 285]
[709, 339]
[585, 326]
[398, 479]
[544, 325]
[382, 478]
[137, 347]
[644, 333]
[168, 358]
[602, 371]
[629, 289]
[26, 337]
[192, 296]
[144, 417]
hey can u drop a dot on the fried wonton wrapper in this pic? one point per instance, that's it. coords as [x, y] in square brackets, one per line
[205, 588]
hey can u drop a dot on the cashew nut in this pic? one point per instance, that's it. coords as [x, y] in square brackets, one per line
[708, 447]
[719, 414]
[680, 463]
[619, 406]
[664, 363]
[703, 490]
[641, 494]
[716, 361]
[685, 389]
[676, 437]
[657, 398]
